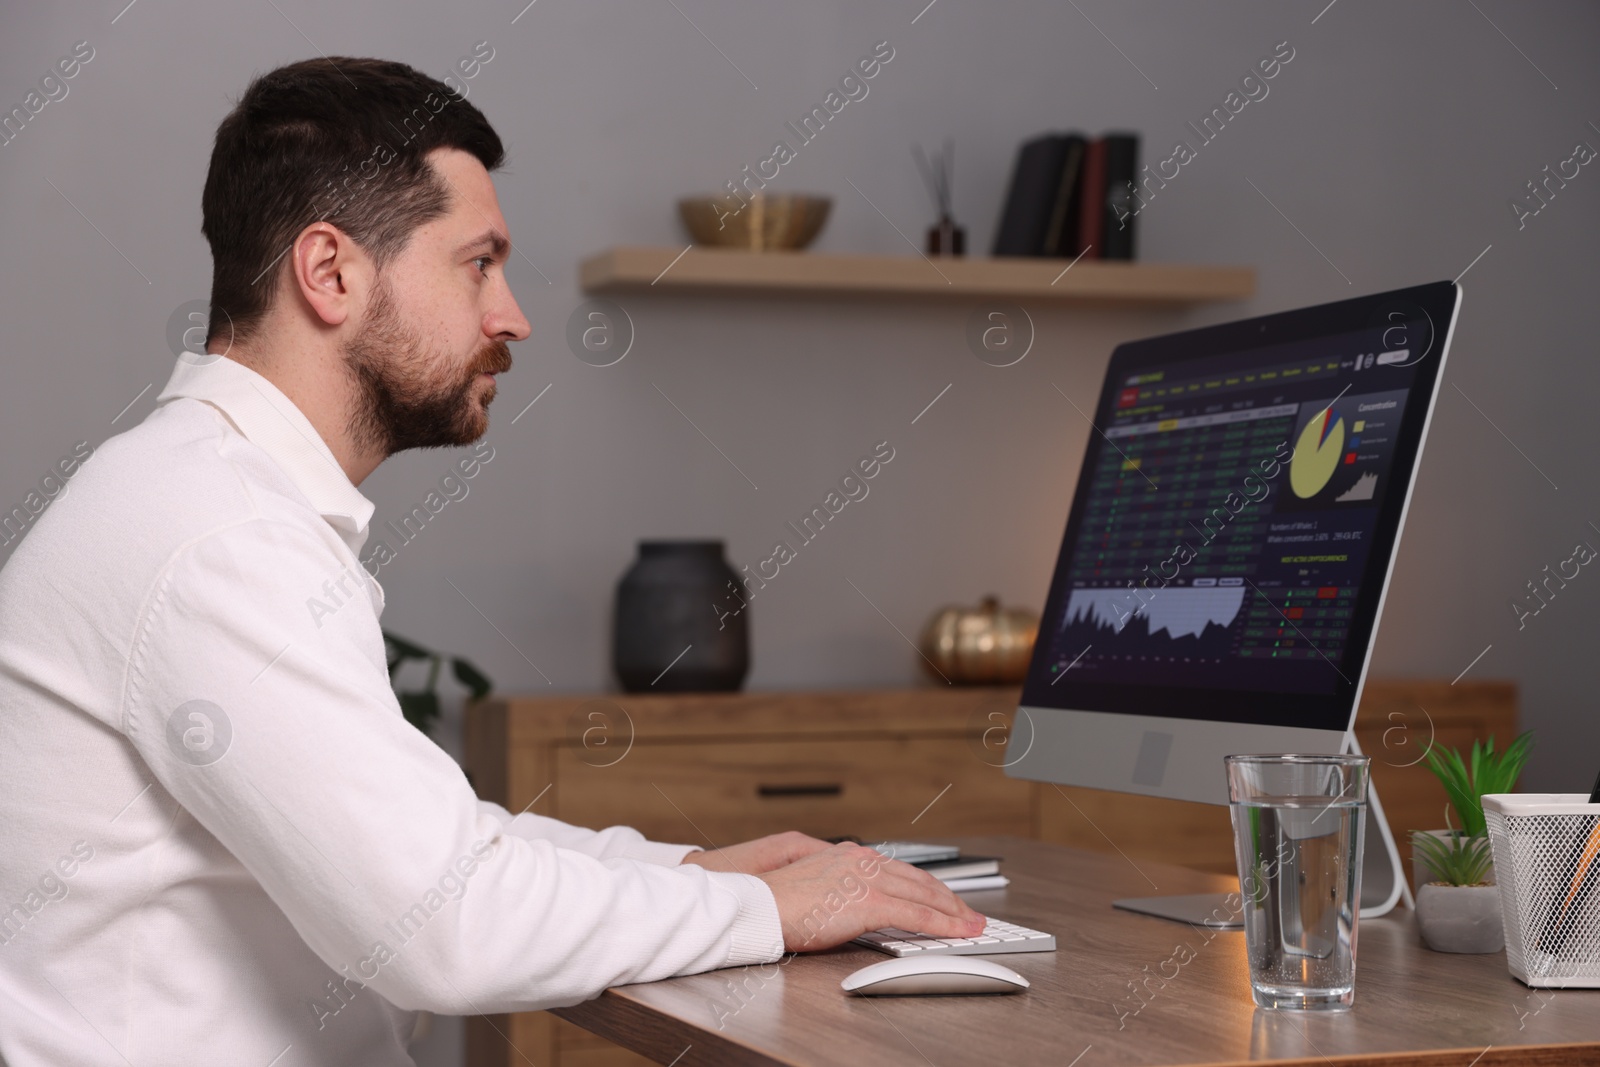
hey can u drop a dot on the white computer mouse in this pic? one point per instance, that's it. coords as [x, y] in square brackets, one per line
[914, 975]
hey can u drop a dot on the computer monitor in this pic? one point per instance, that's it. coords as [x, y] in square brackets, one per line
[1229, 545]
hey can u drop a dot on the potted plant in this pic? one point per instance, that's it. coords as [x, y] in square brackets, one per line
[1454, 868]
[1459, 911]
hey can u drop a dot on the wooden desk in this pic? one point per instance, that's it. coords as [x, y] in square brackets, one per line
[739, 765]
[1412, 1006]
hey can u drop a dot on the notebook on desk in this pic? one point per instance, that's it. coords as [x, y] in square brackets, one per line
[962, 873]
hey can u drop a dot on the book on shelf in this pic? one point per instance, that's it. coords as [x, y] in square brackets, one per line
[1061, 232]
[1121, 170]
[1091, 214]
[1071, 196]
[1035, 180]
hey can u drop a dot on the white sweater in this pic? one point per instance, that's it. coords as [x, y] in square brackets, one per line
[220, 842]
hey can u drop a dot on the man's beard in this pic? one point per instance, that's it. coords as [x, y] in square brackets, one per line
[407, 397]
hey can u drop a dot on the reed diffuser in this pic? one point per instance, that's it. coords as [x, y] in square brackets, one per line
[945, 238]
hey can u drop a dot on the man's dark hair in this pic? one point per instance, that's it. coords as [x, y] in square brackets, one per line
[335, 139]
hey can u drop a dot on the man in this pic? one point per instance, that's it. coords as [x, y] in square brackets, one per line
[223, 843]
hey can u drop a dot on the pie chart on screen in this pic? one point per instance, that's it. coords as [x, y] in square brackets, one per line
[1316, 456]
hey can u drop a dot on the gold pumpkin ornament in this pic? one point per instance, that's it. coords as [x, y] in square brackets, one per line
[985, 645]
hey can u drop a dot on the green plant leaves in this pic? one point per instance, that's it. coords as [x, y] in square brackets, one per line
[471, 677]
[1489, 772]
[421, 707]
[1461, 859]
[397, 650]
[1500, 775]
[1451, 770]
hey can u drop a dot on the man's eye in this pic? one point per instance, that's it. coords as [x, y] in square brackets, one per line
[484, 260]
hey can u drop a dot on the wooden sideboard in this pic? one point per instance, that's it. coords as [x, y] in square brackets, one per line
[714, 769]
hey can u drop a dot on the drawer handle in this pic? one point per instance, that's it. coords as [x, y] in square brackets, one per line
[818, 789]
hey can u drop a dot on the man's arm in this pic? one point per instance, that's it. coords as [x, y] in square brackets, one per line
[747, 857]
[363, 831]
[614, 842]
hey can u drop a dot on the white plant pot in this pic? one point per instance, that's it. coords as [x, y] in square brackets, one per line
[1460, 918]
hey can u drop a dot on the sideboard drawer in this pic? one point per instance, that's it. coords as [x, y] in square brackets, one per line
[727, 791]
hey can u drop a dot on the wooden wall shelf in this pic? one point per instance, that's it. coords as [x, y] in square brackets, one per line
[715, 270]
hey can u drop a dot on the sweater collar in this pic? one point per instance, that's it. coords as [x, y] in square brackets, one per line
[262, 413]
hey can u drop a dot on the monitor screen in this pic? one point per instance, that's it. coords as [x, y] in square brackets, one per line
[1234, 520]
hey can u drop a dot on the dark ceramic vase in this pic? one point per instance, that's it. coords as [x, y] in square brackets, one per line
[677, 596]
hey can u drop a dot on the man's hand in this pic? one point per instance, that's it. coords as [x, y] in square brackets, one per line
[759, 856]
[839, 892]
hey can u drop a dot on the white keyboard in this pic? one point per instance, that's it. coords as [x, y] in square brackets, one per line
[997, 937]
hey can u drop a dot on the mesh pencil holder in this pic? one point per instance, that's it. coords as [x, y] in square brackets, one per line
[1547, 863]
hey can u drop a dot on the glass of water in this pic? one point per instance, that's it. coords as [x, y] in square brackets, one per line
[1298, 825]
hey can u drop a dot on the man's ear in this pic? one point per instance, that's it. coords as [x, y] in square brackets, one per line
[330, 272]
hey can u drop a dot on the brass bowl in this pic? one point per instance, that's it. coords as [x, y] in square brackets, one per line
[776, 222]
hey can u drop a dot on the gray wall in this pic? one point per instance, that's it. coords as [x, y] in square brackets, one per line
[1393, 141]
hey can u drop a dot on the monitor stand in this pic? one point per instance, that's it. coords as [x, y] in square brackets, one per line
[1383, 879]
